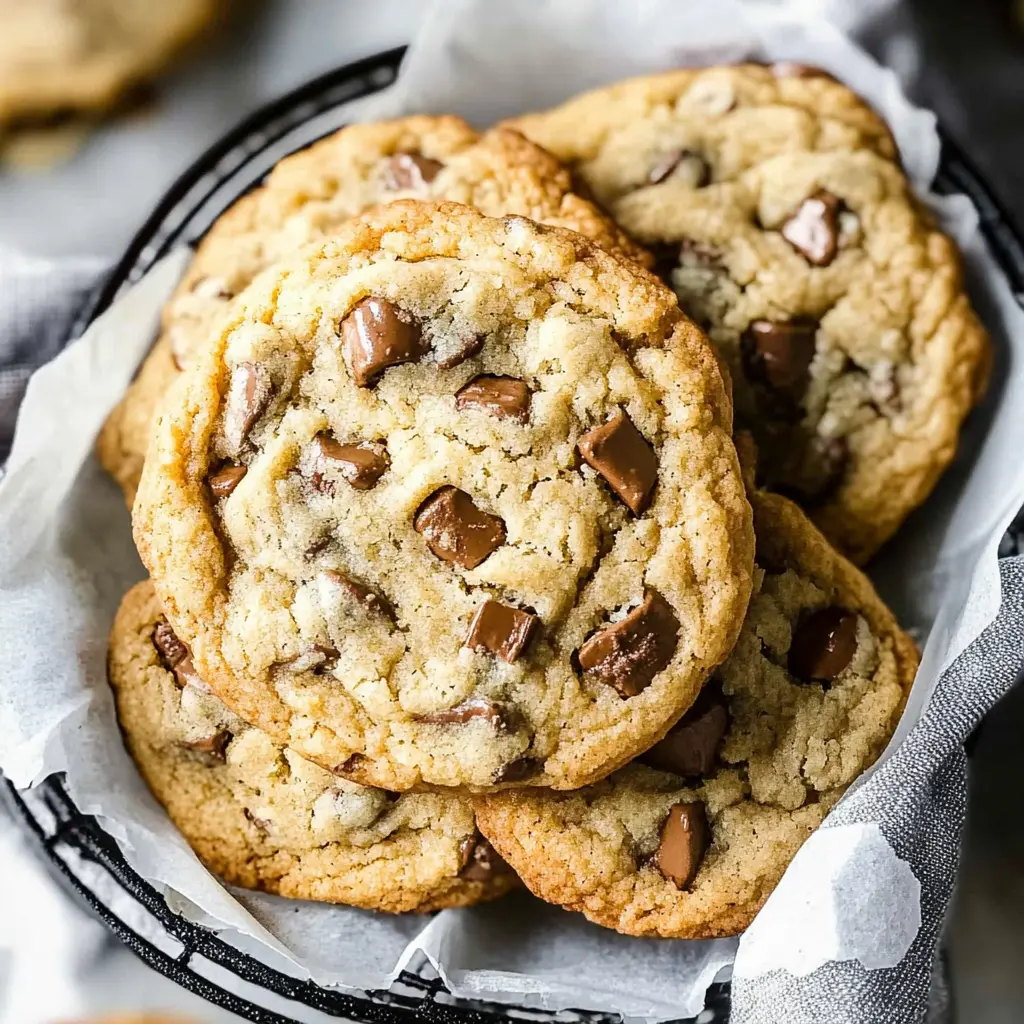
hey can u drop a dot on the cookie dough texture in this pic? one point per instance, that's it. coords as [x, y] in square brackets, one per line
[780, 219]
[337, 596]
[308, 196]
[260, 816]
[59, 56]
[790, 749]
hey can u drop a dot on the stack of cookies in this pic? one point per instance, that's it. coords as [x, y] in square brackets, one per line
[501, 503]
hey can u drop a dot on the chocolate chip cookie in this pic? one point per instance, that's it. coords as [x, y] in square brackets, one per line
[58, 57]
[260, 816]
[698, 127]
[452, 500]
[690, 839]
[307, 196]
[788, 234]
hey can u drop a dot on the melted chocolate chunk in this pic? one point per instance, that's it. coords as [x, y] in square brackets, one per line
[502, 631]
[456, 530]
[361, 596]
[691, 746]
[172, 651]
[517, 770]
[629, 654]
[684, 841]
[225, 480]
[499, 716]
[378, 334]
[406, 171]
[814, 229]
[480, 862]
[684, 164]
[501, 397]
[823, 645]
[248, 397]
[621, 454]
[360, 465]
[214, 746]
[779, 353]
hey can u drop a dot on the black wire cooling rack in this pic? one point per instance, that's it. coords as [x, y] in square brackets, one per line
[83, 857]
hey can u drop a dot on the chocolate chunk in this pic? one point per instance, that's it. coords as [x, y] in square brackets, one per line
[779, 353]
[814, 229]
[684, 841]
[351, 765]
[501, 717]
[621, 454]
[248, 396]
[684, 164]
[186, 675]
[517, 770]
[823, 645]
[502, 397]
[362, 596]
[225, 480]
[629, 654]
[793, 69]
[410, 171]
[361, 465]
[378, 334]
[214, 746]
[479, 861]
[456, 530]
[824, 469]
[691, 747]
[502, 631]
[450, 353]
[172, 651]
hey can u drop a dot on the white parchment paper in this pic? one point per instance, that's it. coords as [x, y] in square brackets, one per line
[66, 558]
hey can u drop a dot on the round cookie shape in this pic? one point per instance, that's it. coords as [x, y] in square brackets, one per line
[690, 839]
[308, 196]
[679, 132]
[260, 816]
[840, 309]
[83, 57]
[507, 603]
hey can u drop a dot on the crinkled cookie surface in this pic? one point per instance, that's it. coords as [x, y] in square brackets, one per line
[690, 839]
[308, 196]
[260, 816]
[452, 500]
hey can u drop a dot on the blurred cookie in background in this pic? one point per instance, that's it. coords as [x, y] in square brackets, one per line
[63, 62]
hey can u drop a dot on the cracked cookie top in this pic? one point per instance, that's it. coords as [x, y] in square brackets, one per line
[690, 839]
[307, 196]
[262, 817]
[452, 500]
[695, 127]
[775, 211]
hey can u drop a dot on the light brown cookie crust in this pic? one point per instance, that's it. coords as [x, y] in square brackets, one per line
[253, 813]
[733, 116]
[307, 196]
[587, 850]
[694, 545]
[57, 58]
[859, 413]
